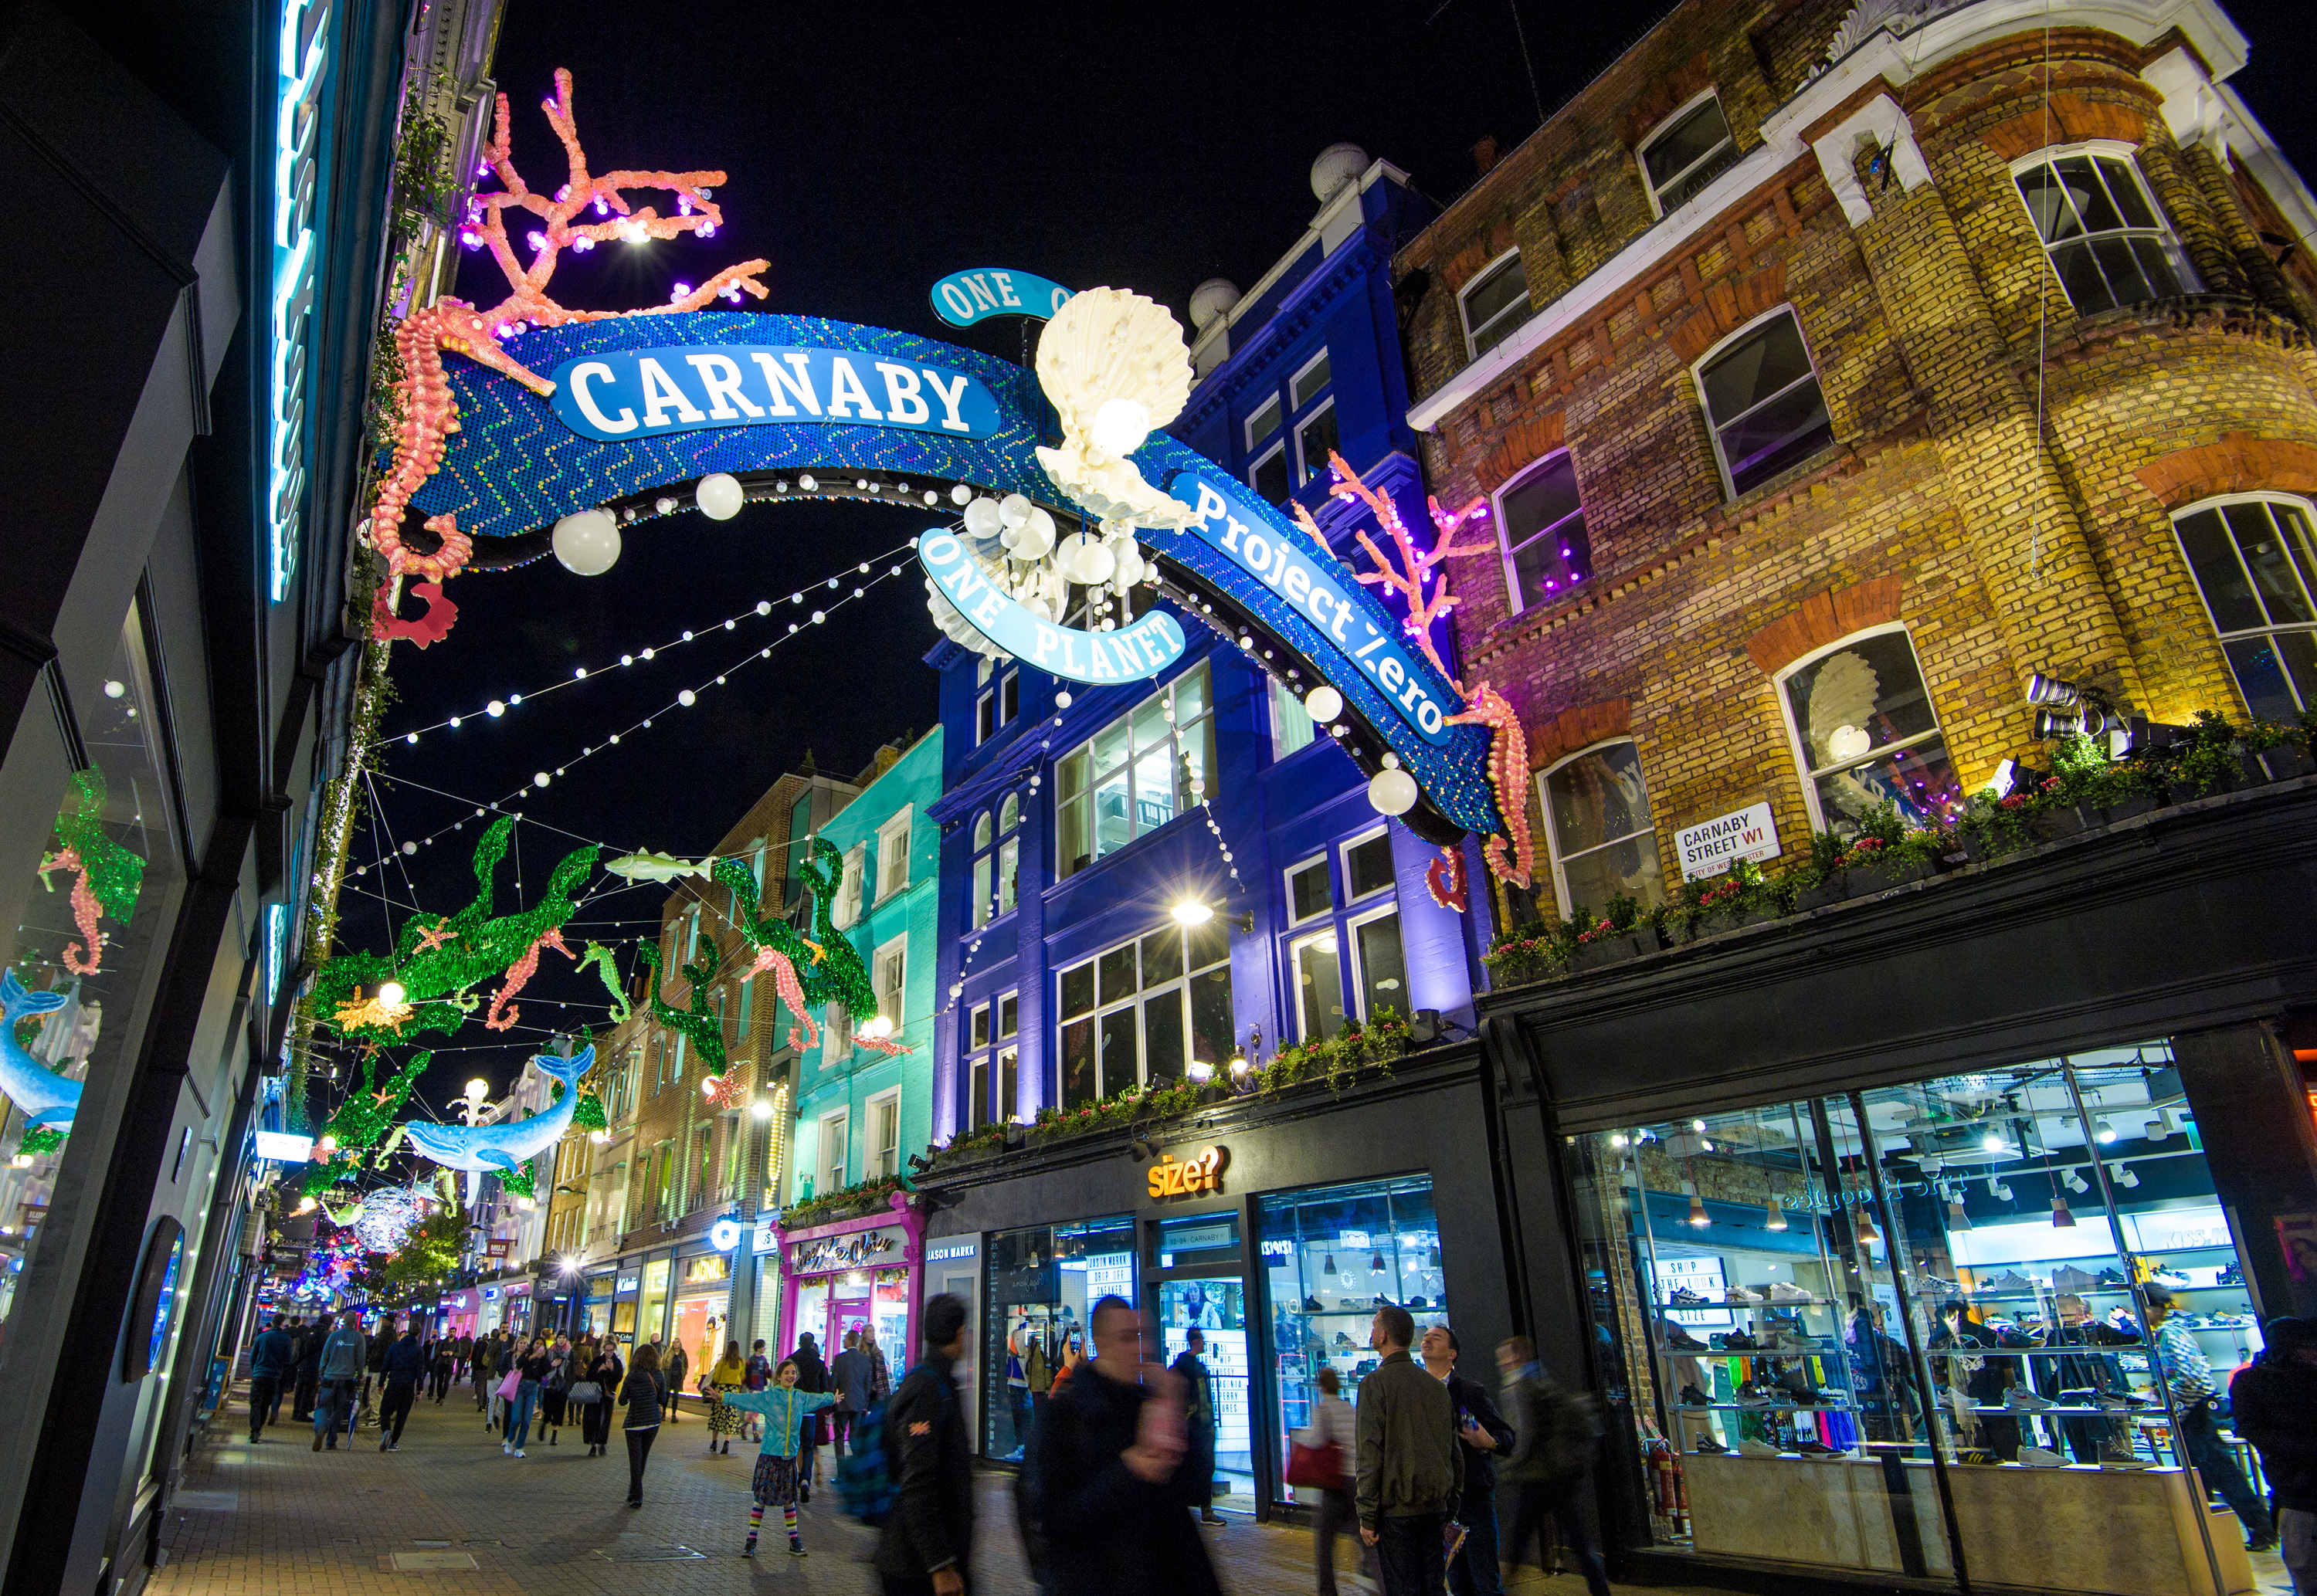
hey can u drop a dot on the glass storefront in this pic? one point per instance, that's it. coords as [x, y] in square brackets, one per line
[596, 1315]
[651, 1312]
[764, 1303]
[1923, 1320]
[1214, 1302]
[1041, 1283]
[702, 1295]
[1332, 1256]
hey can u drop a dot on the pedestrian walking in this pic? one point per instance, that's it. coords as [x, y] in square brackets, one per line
[273, 1357]
[530, 1369]
[758, 1375]
[789, 1412]
[441, 1365]
[848, 1377]
[641, 1394]
[1481, 1433]
[1410, 1476]
[552, 1389]
[2273, 1404]
[2194, 1396]
[604, 1374]
[308, 1382]
[1555, 1432]
[1109, 1447]
[1332, 1439]
[729, 1375]
[678, 1366]
[926, 1546]
[505, 1382]
[812, 1379]
[338, 1377]
[880, 1372]
[478, 1375]
[398, 1375]
[1198, 1474]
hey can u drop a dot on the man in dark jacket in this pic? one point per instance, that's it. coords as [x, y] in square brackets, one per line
[850, 1374]
[2273, 1403]
[1556, 1432]
[309, 1381]
[401, 1369]
[1108, 1448]
[270, 1358]
[1198, 1473]
[1410, 1476]
[1480, 1434]
[926, 1546]
[812, 1375]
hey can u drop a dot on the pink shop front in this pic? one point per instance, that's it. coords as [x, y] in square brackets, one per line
[851, 1274]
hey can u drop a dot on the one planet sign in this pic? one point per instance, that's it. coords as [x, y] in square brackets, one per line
[1143, 649]
[964, 298]
[622, 394]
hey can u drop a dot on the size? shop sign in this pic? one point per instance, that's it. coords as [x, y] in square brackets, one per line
[1712, 846]
[645, 393]
[1201, 1172]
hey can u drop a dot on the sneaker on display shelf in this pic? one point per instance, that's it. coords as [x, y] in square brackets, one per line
[1311, 1306]
[1750, 1396]
[1691, 1396]
[2068, 1277]
[1787, 1340]
[2041, 1457]
[1782, 1292]
[1750, 1448]
[2010, 1279]
[1738, 1341]
[1742, 1295]
[1680, 1340]
[2119, 1402]
[2164, 1274]
[2020, 1399]
[2115, 1456]
[1815, 1448]
[2231, 1274]
[1707, 1443]
[2112, 1280]
[1682, 1298]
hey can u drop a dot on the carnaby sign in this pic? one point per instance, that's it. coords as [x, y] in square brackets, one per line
[861, 1250]
[1712, 846]
[638, 393]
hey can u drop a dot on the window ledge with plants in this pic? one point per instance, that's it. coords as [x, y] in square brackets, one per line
[1355, 1053]
[2085, 791]
[850, 1202]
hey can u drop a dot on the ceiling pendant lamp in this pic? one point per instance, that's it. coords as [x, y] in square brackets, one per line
[1328, 1267]
[1375, 1264]
[1864, 1227]
[1958, 1218]
[1774, 1217]
[2061, 1219]
[1697, 1209]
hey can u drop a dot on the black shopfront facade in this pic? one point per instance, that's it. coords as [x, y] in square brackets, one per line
[1322, 1204]
[1828, 1209]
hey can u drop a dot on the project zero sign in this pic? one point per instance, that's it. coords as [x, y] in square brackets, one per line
[645, 392]
[1140, 650]
[1201, 1172]
[980, 292]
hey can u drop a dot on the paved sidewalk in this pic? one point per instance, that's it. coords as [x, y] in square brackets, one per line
[461, 1519]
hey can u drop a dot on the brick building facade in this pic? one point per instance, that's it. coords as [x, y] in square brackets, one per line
[1997, 471]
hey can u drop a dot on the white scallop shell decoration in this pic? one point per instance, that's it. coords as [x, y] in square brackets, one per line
[1115, 366]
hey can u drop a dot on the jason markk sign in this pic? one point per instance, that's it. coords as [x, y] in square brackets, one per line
[1708, 848]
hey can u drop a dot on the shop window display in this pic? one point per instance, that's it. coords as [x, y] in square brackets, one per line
[1935, 1309]
[1041, 1283]
[1332, 1256]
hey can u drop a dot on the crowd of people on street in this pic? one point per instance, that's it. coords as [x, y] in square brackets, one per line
[1118, 1474]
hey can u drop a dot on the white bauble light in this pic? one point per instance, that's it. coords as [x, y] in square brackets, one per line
[1393, 790]
[981, 519]
[1849, 742]
[1015, 509]
[1095, 562]
[1323, 704]
[1131, 564]
[1120, 425]
[587, 542]
[719, 495]
[1034, 536]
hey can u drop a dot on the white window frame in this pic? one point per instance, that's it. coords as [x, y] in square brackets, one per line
[1286, 712]
[1515, 600]
[877, 1162]
[1666, 125]
[989, 1056]
[835, 1133]
[1254, 440]
[836, 1033]
[1344, 864]
[985, 716]
[1287, 884]
[1800, 750]
[847, 909]
[1697, 385]
[1131, 1005]
[1322, 409]
[2268, 628]
[1520, 306]
[1202, 724]
[1255, 467]
[1305, 369]
[2116, 150]
[890, 948]
[1311, 930]
[1350, 941]
[1552, 838]
[893, 847]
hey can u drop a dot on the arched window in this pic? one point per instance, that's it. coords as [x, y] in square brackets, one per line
[1494, 303]
[1690, 150]
[1866, 732]
[1763, 401]
[998, 857]
[1541, 530]
[1599, 830]
[2256, 566]
[2107, 242]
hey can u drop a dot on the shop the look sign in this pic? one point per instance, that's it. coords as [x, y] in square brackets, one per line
[1710, 847]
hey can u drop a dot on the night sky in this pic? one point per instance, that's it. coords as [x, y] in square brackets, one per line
[871, 150]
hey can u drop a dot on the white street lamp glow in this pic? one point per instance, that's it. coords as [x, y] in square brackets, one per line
[762, 1108]
[1193, 911]
[390, 995]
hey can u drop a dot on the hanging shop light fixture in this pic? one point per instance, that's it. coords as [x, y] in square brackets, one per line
[1774, 1217]
[2061, 1219]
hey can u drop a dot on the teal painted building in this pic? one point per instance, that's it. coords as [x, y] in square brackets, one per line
[861, 1112]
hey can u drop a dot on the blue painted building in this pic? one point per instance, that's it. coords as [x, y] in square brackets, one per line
[1072, 825]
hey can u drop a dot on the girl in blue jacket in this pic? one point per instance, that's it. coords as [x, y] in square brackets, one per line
[786, 1410]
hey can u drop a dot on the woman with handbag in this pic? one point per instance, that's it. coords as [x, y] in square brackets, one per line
[729, 1375]
[553, 1389]
[601, 1379]
[1320, 1456]
[643, 1395]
